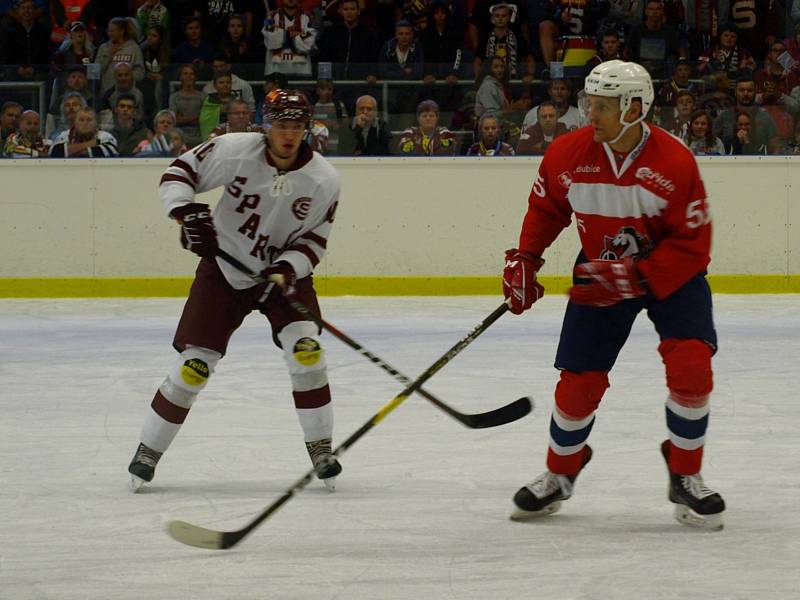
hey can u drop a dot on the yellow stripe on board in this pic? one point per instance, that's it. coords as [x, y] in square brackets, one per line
[354, 286]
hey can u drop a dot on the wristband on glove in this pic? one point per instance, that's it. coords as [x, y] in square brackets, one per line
[520, 286]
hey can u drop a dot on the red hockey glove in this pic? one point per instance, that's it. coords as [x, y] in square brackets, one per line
[197, 229]
[281, 274]
[519, 280]
[610, 282]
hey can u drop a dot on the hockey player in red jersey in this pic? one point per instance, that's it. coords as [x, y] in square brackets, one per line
[645, 229]
[274, 215]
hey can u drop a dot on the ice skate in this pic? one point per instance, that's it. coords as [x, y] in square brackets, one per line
[545, 494]
[325, 464]
[142, 467]
[695, 504]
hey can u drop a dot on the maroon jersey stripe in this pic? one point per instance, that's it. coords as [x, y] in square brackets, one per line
[170, 177]
[317, 239]
[307, 251]
[179, 164]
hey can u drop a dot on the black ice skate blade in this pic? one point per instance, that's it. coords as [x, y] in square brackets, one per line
[521, 515]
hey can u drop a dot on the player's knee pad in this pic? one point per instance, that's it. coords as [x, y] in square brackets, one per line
[304, 356]
[189, 375]
[579, 394]
[688, 369]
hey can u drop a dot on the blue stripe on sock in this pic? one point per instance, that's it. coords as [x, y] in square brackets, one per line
[689, 429]
[569, 438]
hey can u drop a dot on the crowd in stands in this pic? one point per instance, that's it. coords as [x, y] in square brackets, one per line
[148, 78]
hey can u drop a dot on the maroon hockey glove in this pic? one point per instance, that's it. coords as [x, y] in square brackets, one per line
[519, 280]
[281, 274]
[610, 282]
[197, 229]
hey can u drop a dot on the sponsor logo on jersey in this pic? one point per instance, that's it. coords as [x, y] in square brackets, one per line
[588, 169]
[648, 175]
[307, 351]
[301, 207]
[194, 371]
[565, 180]
[627, 242]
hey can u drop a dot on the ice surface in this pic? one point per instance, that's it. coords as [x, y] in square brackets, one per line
[421, 509]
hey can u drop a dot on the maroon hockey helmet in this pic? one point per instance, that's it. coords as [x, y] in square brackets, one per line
[290, 105]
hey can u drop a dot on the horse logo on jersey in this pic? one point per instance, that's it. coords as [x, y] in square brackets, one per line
[301, 207]
[627, 242]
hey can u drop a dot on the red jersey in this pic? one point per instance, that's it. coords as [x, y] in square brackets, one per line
[652, 205]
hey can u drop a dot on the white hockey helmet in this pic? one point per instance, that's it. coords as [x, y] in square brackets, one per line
[623, 80]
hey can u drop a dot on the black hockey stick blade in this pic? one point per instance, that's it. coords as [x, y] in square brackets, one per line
[494, 418]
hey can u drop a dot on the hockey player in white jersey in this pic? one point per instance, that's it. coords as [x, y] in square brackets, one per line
[274, 215]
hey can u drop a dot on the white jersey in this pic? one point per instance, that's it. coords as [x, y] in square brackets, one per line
[264, 215]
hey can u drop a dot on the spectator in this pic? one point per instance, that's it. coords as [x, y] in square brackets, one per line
[653, 43]
[668, 94]
[781, 109]
[503, 42]
[9, 13]
[610, 46]
[623, 15]
[761, 131]
[70, 105]
[216, 16]
[442, 44]
[10, 114]
[27, 142]
[193, 49]
[351, 46]
[727, 55]
[214, 111]
[121, 47]
[331, 112]
[153, 13]
[24, 48]
[699, 137]
[568, 18]
[156, 54]
[161, 143]
[416, 13]
[76, 50]
[676, 121]
[289, 38]
[702, 20]
[758, 24]
[63, 13]
[317, 136]
[480, 24]
[792, 42]
[235, 45]
[186, 102]
[489, 142]
[371, 135]
[128, 131]
[718, 94]
[783, 81]
[238, 120]
[75, 81]
[83, 139]
[402, 58]
[493, 95]
[123, 84]
[745, 142]
[559, 92]
[428, 138]
[536, 138]
[239, 87]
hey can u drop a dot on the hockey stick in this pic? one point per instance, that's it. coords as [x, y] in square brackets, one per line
[194, 535]
[499, 416]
